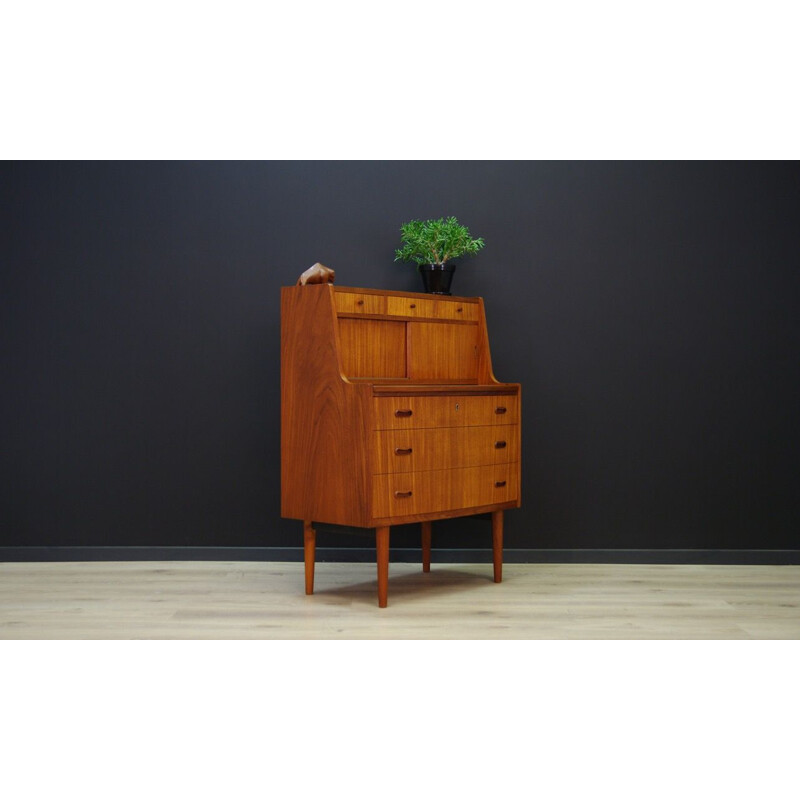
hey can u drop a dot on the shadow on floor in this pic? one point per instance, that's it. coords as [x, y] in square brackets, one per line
[422, 585]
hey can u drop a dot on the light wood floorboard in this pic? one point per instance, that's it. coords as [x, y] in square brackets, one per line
[265, 600]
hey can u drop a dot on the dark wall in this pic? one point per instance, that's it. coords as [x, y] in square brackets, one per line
[650, 311]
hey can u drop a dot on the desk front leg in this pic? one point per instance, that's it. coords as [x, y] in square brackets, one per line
[497, 545]
[382, 554]
[426, 546]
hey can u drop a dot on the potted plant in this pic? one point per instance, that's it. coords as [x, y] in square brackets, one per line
[430, 244]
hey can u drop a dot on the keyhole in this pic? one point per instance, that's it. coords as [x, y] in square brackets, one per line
[456, 406]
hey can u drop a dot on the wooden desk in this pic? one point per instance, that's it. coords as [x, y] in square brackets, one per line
[390, 414]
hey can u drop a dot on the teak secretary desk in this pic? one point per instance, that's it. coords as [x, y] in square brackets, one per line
[390, 414]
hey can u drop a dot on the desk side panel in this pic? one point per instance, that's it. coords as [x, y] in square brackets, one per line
[323, 459]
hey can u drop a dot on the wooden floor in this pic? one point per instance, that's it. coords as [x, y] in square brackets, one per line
[258, 600]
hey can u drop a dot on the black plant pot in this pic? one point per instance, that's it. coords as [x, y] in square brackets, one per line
[436, 277]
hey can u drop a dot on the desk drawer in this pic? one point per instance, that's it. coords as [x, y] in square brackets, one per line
[409, 493]
[409, 306]
[428, 411]
[416, 450]
[452, 309]
[355, 303]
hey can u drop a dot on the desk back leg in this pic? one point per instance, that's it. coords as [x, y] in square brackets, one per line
[309, 546]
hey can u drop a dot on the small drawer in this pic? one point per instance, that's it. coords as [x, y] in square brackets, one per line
[447, 411]
[397, 495]
[353, 303]
[452, 309]
[409, 307]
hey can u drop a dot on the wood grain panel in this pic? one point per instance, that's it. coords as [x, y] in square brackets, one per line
[485, 373]
[394, 293]
[373, 348]
[443, 411]
[397, 494]
[420, 449]
[442, 352]
[324, 458]
[405, 389]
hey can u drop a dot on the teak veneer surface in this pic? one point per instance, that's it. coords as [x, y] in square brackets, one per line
[451, 489]
[395, 293]
[444, 412]
[372, 347]
[442, 352]
[324, 456]
[402, 388]
[419, 449]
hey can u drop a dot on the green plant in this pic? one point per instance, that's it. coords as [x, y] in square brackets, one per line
[434, 241]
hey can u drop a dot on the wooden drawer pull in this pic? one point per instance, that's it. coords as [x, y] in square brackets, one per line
[459, 310]
[403, 412]
[499, 484]
[402, 451]
[413, 305]
[500, 410]
[403, 494]
[360, 303]
[499, 445]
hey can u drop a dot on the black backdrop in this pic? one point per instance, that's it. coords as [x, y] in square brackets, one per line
[650, 311]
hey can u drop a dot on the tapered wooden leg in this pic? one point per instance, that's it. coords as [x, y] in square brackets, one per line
[382, 553]
[497, 545]
[309, 542]
[426, 546]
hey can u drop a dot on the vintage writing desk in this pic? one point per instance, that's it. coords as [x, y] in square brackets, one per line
[390, 414]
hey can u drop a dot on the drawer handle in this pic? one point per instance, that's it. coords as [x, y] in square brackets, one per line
[403, 412]
[413, 305]
[402, 451]
[459, 310]
[403, 494]
[500, 410]
[360, 303]
[499, 484]
[499, 445]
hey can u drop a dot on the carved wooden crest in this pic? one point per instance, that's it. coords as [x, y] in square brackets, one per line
[319, 273]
